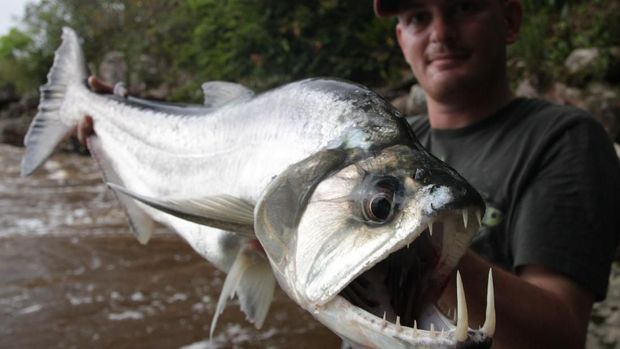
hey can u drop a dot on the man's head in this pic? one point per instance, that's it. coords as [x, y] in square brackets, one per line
[455, 46]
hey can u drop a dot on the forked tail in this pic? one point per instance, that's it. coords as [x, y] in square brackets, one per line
[48, 128]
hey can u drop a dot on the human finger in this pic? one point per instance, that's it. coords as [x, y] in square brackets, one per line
[85, 129]
[98, 86]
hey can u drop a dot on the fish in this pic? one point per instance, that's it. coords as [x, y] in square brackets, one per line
[318, 186]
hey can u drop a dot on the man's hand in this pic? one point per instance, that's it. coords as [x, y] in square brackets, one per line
[98, 86]
[537, 308]
[85, 126]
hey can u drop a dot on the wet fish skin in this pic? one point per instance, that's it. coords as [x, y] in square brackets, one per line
[296, 166]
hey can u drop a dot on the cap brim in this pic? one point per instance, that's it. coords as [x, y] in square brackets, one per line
[386, 8]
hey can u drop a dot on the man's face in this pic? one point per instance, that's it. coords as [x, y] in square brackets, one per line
[454, 46]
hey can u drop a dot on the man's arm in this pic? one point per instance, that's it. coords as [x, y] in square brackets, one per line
[537, 308]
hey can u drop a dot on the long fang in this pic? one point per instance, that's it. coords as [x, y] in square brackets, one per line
[461, 303]
[489, 323]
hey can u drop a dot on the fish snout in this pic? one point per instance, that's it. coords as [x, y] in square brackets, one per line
[451, 190]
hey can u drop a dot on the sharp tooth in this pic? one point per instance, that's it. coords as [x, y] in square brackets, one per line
[432, 328]
[408, 245]
[430, 229]
[415, 325]
[465, 218]
[461, 322]
[478, 218]
[384, 315]
[397, 320]
[488, 329]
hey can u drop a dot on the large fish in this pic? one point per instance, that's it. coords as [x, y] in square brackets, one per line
[319, 184]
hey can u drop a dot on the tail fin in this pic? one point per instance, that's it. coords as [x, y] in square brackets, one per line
[47, 129]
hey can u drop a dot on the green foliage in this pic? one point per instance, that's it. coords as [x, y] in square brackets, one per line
[266, 43]
[17, 66]
[180, 44]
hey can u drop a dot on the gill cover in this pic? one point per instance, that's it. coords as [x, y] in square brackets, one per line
[280, 208]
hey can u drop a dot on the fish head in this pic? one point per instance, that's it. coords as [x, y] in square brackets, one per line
[366, 240]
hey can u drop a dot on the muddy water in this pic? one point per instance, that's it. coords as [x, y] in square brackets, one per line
[72, 276]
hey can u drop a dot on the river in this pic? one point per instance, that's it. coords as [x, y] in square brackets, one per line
[73, 276]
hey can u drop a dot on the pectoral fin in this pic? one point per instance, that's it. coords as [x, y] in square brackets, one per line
[222, 212]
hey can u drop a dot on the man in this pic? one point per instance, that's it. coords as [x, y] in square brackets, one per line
[548, 173]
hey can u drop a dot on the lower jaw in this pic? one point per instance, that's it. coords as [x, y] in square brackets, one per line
[357, 326]
[432, 329]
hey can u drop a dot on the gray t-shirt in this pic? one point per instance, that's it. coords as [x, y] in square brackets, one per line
[551, 181]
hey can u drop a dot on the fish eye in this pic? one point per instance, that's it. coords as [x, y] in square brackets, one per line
[380, 203]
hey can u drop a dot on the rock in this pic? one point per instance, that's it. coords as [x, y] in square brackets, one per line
[412, 104]
[139, 81]
[582, 60]
[400, 103]
[162, 92]
[526, 89]
[12, 130]
[613, 71]
[587, 64]
[7, 95]
[563, 94]
[113, 67]
[603, 90]
[416, 103]
[603, 101]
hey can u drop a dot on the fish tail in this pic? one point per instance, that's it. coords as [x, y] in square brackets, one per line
[49, 127]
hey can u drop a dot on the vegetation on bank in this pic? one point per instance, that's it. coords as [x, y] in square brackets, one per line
[262, 43]
[552, 29]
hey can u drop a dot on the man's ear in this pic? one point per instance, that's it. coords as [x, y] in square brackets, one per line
[513, 14]
[399, 32]
[399, 37]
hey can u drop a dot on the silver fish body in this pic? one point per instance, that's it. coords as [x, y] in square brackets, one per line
[323, 174]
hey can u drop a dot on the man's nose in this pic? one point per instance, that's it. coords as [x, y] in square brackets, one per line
[442, 29]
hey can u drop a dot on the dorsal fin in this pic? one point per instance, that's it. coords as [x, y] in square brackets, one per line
[219, 93]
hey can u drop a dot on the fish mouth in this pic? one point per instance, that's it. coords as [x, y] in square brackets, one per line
[398, 294]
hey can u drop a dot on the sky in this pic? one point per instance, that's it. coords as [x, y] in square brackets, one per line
[10, 12]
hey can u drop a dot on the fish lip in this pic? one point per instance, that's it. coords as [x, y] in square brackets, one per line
[367, 319]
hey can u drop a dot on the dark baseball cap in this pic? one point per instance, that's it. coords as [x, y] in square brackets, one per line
[386, 8]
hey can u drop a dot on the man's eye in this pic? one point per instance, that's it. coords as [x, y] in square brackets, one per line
[417, 18]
